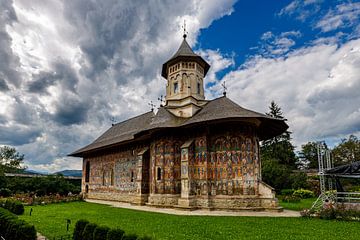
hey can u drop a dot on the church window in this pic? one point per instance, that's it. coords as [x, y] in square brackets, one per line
[112, 177]
[87, 172]
[103, 178]
[158, 173]
[176, 87]
[198, 88]
[132, 176]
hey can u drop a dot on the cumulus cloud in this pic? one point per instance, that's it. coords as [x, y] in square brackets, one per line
[272, 45]
[343, 15]
[301, 9]
[317, 87]
[68, 67]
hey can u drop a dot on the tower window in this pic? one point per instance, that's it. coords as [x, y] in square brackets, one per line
[198, 88]
[158, 173]
[176, 87]
[132, 176]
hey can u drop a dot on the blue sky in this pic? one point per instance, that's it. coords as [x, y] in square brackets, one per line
[68, 67]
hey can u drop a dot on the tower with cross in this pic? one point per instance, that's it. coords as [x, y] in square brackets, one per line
[185, 73]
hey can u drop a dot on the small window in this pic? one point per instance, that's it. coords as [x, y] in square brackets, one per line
[132, 176]
[112, 177]
[158, 173]
[198, 88]
[176, 87]
[103, 178]
[87, 171]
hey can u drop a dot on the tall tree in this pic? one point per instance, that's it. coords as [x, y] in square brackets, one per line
[308, 156]
[347, 151]
[10, 160]
[279, 147]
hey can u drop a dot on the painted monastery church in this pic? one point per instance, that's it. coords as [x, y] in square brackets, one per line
[193, 153]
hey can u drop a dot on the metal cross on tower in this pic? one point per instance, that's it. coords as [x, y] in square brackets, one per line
[225, 88]
[161, 99]
[184, 28]
[152, 105]
[112, 119]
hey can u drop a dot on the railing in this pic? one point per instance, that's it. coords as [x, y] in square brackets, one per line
[350, 197]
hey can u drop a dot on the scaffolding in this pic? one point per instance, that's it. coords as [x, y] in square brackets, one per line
[327, 193]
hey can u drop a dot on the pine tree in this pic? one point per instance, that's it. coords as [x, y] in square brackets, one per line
[279, 148]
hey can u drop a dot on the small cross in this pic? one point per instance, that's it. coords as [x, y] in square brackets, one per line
[112, 119]
[184, 27]
[161, 99]
[152, 105]
[225, 88]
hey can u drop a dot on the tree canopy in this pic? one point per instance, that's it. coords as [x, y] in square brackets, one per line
[347, 151]
[11, 160]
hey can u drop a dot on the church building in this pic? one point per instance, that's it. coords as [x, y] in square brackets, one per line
[193, 153]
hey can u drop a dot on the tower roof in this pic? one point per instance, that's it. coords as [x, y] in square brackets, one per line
[184, 53]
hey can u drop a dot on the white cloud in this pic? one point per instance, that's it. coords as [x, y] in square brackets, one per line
[79, 63]
[272, 45]
[301, 9]
[344, 15]
[316, 86]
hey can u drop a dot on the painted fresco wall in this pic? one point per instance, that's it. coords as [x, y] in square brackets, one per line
[225, 164]
[112, 176]
[165, 158]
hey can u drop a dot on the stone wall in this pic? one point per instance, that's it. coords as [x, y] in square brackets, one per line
[222, 170]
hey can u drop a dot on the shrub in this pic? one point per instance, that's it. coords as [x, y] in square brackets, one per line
[12, 228]
[100, 233]
[287, 192]
[79, 229]
[303, 193]
[291, 199]
[5, 192]
[130, 237]
[88, 233]
[17, 208]
[115, 234]
[14, 206]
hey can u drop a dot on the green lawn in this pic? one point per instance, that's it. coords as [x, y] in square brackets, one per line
[50, 220]
[303, 204]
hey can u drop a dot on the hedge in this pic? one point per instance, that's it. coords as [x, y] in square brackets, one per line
[90, 231]
[115, 234]
[15, 207]
[13, 228]
[79, 229]
[100, 233]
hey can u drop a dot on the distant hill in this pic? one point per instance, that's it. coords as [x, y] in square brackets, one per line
[33, 172]
[72, 173]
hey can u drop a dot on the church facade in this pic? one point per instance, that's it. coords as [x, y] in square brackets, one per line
[193, 153]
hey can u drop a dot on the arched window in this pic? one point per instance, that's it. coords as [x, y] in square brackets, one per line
[176, 87]
[158, 173]
[87, 171]
[198, 88]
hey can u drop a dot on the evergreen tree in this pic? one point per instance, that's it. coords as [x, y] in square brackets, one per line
[280, 147]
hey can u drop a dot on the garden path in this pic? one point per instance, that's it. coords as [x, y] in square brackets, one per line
[285, 213]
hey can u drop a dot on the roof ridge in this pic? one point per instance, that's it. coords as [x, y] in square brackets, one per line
[133, 118]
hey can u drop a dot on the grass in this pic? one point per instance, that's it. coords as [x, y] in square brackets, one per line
[50, 220]
[298, 206]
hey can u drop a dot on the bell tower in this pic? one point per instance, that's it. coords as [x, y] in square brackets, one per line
[185, 73]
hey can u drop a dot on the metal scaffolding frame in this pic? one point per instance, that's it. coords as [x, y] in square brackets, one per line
[327, 194]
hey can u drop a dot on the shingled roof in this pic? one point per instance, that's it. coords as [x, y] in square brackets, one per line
[186, 53]
[215, 110]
